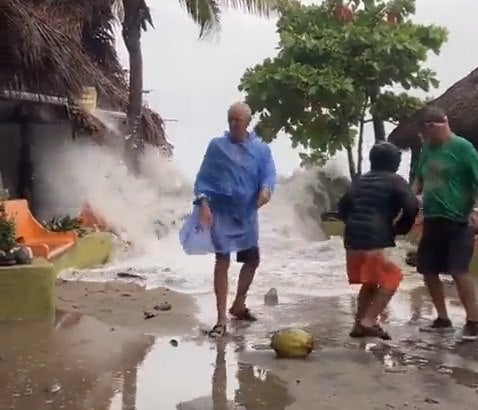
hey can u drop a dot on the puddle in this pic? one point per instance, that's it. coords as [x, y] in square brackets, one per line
[446, 357]
[77, 362]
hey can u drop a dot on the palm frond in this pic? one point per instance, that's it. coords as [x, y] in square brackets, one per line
[207, 13]
[262, 8]
[117, 8]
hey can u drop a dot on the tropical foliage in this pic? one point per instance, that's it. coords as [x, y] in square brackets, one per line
[336, 70]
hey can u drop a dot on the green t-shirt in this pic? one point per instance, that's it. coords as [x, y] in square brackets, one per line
[449, 177]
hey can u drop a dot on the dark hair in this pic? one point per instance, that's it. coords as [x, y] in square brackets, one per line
[432, 113]
[385, 156]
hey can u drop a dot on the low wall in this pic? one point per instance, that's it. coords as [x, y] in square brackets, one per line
[28, 291]
[332, 228]
[91, 250]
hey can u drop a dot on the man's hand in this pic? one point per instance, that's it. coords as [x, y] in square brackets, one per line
[205, 214]
[264, 197]
[420, 200]
[473, 221]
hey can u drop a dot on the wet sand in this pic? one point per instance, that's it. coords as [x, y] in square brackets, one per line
[80, 362]
[125, 304]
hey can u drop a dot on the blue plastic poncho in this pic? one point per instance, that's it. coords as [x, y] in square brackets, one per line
[231, 176]
[195, 238]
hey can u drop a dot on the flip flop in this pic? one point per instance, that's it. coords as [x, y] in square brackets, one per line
[217, 331]
[360, 331]
[245, 315]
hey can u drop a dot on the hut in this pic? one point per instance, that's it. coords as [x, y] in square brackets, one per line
[52, 50]
[460, 102]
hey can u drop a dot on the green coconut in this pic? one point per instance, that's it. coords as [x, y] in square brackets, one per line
[292, 343]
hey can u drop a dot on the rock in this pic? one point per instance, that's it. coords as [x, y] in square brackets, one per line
[53, 388]
[271, 298]
[23, 255]
[7, 258]
[129, 275]
[174, 342]
[163, 306]
[148, 315]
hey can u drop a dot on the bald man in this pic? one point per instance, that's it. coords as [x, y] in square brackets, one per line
[236, 178]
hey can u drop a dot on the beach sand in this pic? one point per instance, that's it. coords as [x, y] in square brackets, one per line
[123, 304]
[101, 353]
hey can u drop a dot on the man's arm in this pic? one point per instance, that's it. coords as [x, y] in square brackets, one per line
[418, 183]
[268, 178]
[418, 186]
[471, 159]
[405, 198]
[202, 182]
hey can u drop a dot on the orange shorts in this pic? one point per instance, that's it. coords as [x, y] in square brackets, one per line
[372, 268]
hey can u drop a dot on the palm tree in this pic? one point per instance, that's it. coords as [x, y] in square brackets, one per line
[135, 17]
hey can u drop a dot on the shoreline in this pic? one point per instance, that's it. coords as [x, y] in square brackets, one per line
[127, 305]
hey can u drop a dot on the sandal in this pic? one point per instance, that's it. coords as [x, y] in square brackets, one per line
[375, 331]
[245, 315]
[217, 331]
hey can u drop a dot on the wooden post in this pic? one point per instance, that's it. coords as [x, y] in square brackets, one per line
[25, 166]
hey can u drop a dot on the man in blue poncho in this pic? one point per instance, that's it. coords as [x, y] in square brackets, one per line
[236, 178]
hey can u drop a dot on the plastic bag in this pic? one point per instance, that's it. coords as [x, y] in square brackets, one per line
[195, 238]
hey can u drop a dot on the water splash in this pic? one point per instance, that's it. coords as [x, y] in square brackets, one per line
[297, 257]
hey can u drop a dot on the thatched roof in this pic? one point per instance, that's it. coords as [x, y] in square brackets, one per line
[460, 102]
[43, 109]
[57, 47]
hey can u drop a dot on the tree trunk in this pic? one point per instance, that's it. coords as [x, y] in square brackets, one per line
[378, 123]
[360, 136]
[132, 39]
[351, 161]
[360, 147]
[25, 166]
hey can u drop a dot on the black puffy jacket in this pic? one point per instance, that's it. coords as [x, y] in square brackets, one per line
[370, 207]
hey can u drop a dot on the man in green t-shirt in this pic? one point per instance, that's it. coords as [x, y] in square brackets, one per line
[447, 179]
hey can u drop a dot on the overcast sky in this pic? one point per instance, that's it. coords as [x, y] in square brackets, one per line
[195, 81]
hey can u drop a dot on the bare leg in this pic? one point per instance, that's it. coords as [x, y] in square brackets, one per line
[364, 300]
[466, 292]
[221, 285]
[435, 289]
[380, 302]
[246, 276]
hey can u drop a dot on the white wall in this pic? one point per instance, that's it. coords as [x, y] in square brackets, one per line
[47, 142]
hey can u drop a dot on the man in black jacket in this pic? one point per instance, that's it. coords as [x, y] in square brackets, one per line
[379, 206]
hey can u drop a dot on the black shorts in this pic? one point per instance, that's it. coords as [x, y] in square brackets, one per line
[251, 255]
[445, 247]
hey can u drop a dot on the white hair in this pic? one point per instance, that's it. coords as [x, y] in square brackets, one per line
[241, 106]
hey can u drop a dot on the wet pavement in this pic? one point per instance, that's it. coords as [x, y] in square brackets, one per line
[77, 362]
